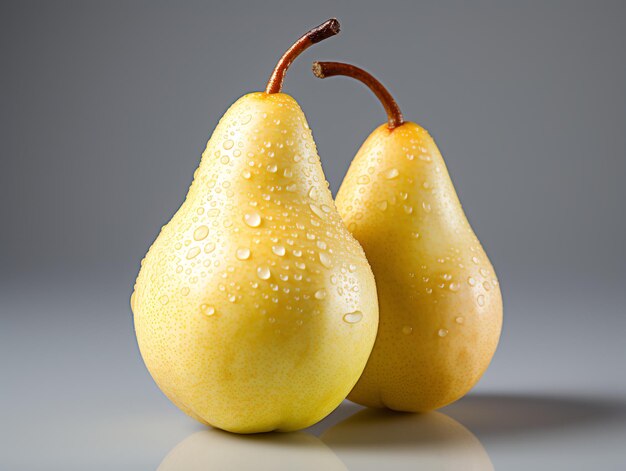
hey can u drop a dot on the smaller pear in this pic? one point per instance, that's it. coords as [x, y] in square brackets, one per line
[439, 298]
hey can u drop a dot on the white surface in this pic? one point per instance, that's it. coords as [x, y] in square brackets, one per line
[75, 395]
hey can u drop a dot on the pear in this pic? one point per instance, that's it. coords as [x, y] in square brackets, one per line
[255, 308]
[439, 298]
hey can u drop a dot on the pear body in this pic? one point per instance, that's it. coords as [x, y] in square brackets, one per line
[439, 298]
[255, 309]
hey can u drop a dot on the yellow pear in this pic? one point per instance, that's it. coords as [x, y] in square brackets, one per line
[255, 309]
[439, 299]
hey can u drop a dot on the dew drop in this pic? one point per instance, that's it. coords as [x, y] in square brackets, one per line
[426, 206]
[201, 232]
[273, 168]
[228, 144]
[252, 219]
[442, 332]
[487, 286]
[407, 329]
[415, 235]
[391, 173]
[459, 320]
[184, 291]
[363, 180]
[454, 287]
[480, 300]
[320, 294]
[193, 252]
[207, 310]
[164, 299]
[471, 281]
[353, 317]
[408, 209]
[246, 174]
[484, 272]
[263, 272]
[382, 205]
[243, 253]
[209, 247]
[278, 250]
[325, 259]
[475, 260]
[316, 210]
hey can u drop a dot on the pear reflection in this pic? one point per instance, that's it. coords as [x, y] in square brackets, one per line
[376, 439]
[217, 450]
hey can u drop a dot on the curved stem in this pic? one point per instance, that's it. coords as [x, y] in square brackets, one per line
[319, 33]
[330, 69]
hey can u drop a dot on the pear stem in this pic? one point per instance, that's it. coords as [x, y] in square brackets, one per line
[330, 69]
[319, 33]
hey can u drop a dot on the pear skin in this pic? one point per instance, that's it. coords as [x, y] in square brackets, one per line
[255, 309]
[439, 298]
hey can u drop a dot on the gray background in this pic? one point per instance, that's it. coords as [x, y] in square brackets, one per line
[107, 106]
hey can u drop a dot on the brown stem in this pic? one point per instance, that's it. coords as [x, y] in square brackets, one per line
[330, 69]
[319, 33]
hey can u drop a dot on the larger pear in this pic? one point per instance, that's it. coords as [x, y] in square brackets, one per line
[439, 298]
[255, 309]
